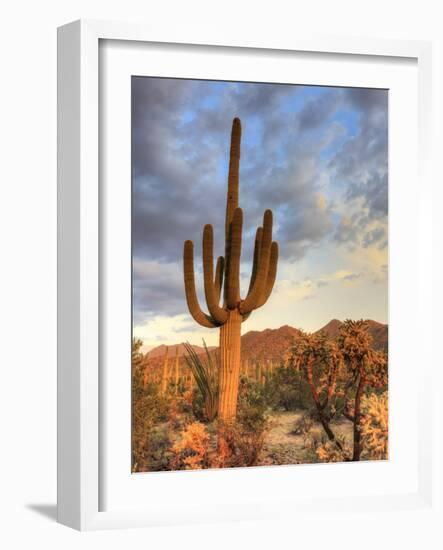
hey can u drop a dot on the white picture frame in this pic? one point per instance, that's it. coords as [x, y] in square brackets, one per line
[80, 255]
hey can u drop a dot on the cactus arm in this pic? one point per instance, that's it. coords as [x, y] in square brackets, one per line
[219, 268]
[217, 313]
[233, 176]
[233, 275]
[257, 246]
[272, 273]
[254, 297]
[191, 295]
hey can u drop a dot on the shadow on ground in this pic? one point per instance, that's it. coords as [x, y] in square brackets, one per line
[48, 511]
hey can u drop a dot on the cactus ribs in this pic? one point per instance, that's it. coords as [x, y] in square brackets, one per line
[234, 311]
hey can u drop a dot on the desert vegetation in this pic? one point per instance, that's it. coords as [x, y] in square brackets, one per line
[302, 398]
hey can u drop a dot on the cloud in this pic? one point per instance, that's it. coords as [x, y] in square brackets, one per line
[352, 276]
[316, 156]
[286, 290]
[180, 165]
[157, 289]
[375, 236]
[169, 330]
[361, 167]
[317, 111]
[359, 231]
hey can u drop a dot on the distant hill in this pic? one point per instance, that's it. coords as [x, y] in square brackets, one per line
[331, 329]
[268, 344]
[378, 331]
[271, 344]
[160, 351]
[156, 356]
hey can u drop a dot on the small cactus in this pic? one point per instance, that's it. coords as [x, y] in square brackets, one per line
[177, 370]
[165, 372]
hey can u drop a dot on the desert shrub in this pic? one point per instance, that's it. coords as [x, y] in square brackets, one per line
[374, 426]
[204, 370]
[150, 440]
[156, 453]
[141, 428]
[148, 402]
[303, 425]
[149, 409]
[238, 446]
[241, 442]
[251, 406]
[329, 452]
[187, 399]
[319, 448]
[137, 356]
[192, 450]
[287, 390]
[198, 406]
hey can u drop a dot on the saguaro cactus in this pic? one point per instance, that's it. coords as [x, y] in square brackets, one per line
[258, 372]
[234, 310]
[176, 369]
[246, 368]
[165, 372]
[146, 372]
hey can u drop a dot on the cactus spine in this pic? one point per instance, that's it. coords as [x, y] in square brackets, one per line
[234, 310]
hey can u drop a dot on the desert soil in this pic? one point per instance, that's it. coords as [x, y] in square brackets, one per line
[282, 446]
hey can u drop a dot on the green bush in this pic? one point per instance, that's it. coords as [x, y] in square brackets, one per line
[149, 409]
[198, 406]
[156, 453]
[287, 390]
[252, 406]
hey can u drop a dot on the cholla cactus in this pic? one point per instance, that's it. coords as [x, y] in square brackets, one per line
[234, 310]
[355, 342]
[374, 426]
[308, 350]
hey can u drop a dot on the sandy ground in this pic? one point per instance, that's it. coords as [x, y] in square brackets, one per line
[282, 446]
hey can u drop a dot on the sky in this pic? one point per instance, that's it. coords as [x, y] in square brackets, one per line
[316, 156]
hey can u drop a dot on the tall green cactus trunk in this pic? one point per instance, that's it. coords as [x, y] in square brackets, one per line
[230, 347]
[234, 310]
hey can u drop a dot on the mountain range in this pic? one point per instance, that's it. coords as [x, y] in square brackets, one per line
[271, 344]
[378, 331]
